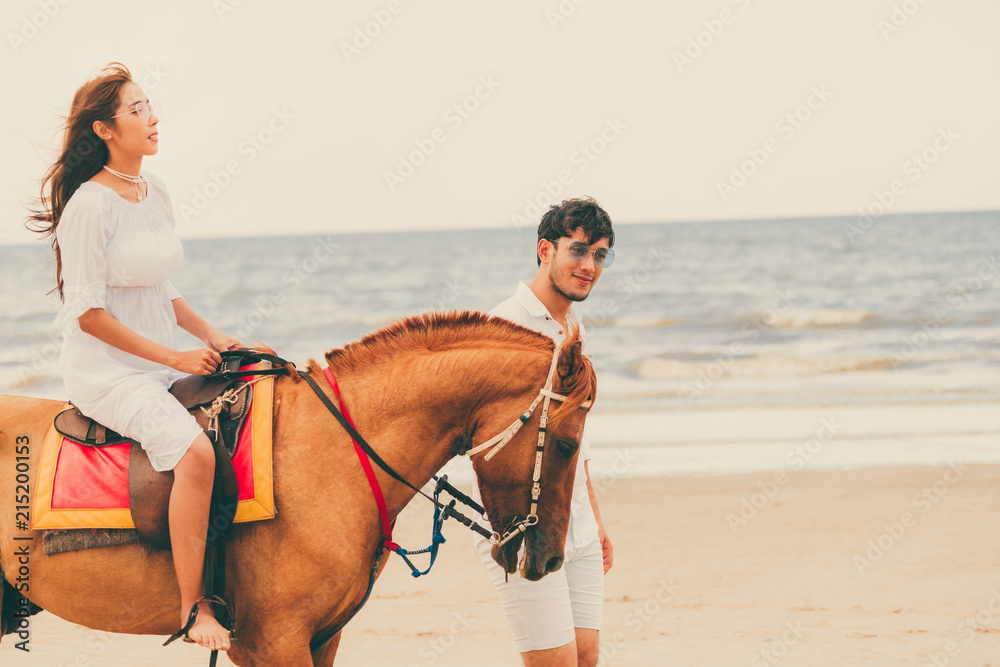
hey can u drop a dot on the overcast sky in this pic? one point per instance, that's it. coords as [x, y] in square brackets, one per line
[305, 117]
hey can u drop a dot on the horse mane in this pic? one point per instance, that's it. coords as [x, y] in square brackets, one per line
[456, 330]
[580, 386]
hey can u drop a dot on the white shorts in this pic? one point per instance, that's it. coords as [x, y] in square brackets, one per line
[543, 614]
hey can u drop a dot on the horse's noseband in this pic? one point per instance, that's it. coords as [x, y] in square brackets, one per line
[497, 442]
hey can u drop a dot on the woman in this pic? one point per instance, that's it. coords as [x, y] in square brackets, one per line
[113, 235]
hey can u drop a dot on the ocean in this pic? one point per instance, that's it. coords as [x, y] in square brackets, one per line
[719, 346]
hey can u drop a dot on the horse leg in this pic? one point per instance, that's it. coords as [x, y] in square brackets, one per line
[271, 647]
[325, 656]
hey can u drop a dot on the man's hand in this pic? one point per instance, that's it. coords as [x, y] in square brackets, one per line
[606, 549]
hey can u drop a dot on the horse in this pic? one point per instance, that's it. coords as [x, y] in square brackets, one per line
[421, 391]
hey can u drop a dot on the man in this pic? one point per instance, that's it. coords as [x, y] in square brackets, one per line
[555, 620]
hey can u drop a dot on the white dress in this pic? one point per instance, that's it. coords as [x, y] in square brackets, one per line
[117, 255]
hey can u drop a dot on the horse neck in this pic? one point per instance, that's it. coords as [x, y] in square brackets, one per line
[413, 411]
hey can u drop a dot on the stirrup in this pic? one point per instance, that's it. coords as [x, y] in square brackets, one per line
[193, 614]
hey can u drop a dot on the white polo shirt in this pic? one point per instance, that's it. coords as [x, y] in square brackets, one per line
[525, 309]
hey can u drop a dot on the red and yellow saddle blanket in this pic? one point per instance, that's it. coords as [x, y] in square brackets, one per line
[87, 487]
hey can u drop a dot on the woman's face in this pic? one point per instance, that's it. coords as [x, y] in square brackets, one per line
[130, 135]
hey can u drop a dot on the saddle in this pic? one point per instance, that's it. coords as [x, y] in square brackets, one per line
[220, 403]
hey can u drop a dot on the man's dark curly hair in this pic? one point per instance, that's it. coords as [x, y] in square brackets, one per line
[563, 220]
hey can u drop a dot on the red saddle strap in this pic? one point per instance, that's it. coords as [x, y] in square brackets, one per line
[366, 464]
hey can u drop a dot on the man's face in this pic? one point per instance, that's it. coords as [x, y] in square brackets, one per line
[571, 278]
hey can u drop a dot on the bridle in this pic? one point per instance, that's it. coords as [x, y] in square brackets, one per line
[497, 442]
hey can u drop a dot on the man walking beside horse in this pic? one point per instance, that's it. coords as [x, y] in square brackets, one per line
[555, 621]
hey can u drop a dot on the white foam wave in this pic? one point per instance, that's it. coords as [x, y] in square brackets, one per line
[760, 366]
[821, 317]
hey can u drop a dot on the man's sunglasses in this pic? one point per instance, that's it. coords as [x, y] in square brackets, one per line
[578, 252]
[144, 110]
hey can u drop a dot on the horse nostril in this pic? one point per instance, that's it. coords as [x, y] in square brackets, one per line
[554, 564]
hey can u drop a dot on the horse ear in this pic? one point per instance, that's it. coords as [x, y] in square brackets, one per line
[570, 359]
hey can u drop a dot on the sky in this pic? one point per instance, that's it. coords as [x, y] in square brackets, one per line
[310, 117]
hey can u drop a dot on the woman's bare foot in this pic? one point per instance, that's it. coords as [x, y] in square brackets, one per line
[207, 631]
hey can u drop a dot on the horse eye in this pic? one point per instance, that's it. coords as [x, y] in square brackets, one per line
[566, 448]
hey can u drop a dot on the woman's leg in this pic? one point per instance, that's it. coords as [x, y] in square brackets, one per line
[189, 504]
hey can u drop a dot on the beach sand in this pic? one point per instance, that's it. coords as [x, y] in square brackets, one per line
[884, 566]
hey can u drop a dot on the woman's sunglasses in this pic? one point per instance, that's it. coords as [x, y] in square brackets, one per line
[144, 110]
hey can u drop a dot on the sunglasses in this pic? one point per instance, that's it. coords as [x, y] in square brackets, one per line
[603, 257]
[144, 110]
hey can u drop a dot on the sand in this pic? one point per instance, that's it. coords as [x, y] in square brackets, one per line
[884, 566]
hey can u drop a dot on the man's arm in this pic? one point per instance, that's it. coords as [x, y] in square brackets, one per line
[606, 547]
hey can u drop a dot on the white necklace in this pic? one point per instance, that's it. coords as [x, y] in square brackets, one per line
[134, 180]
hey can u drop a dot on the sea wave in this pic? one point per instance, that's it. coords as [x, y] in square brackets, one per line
[801, 318]
[631, 322]
[759, 365]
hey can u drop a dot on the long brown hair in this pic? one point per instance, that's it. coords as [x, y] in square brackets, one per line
[83, 153]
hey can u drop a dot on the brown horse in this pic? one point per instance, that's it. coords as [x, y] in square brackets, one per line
[418, 391]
